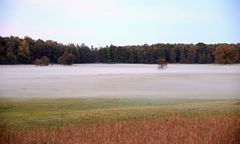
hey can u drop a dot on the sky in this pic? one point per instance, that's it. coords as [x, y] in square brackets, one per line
[122, 22]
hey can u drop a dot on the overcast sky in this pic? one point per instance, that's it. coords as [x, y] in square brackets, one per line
[122, 22]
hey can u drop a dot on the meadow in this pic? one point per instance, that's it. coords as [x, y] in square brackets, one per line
[120, 103]
[119, 121]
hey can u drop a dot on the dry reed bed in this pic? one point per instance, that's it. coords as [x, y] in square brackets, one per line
[217, 130]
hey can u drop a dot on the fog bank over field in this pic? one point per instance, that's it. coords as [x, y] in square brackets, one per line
[121, 81]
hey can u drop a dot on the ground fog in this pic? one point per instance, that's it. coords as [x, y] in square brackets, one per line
[121, 81]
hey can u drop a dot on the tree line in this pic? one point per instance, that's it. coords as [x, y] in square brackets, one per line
[15, 50]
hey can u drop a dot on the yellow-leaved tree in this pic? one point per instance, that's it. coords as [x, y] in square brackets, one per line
[226, 54]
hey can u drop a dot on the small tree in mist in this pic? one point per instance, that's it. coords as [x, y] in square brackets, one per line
[162, 63]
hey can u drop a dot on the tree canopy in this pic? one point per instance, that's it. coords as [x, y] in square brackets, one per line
[44, 61]
[15, 50]
[67, 58]
[226, 54]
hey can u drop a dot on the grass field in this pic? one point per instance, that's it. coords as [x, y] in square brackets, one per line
[119, 121]
[52, 112]
[120, 103]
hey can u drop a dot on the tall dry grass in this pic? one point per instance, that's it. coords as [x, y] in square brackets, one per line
[175, 130]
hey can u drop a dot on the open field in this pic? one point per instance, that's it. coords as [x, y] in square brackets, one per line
[54, 112]
[120, 103]
[121, 81]
[224, 130]
[119, 121]
[47, 113]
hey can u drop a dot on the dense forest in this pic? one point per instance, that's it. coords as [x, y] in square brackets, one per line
[15, 50]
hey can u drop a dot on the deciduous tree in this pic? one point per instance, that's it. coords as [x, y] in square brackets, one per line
[162, 63]
[66, 59]
[226, 54]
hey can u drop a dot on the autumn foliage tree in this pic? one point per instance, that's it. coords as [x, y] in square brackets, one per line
[23, 54]
[44, 61]
[226, 54]
[162, 63]
[67, 58]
